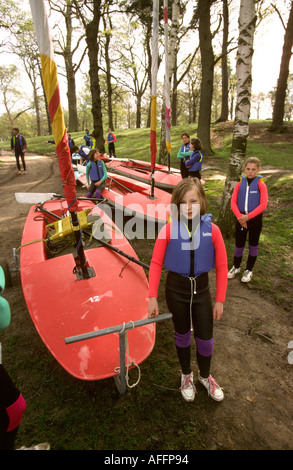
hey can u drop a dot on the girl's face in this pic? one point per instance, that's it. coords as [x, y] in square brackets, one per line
[96, 156]
[190, 204]
[251, 170]
[185, 139]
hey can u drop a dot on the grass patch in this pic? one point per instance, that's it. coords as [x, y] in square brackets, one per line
[76, 415]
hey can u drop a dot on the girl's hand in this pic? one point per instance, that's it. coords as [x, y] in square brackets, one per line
[98, 183]
[218, 310]
[243, 219]
[153, 308]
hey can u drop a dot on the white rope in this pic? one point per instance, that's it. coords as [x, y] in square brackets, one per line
[192, 291]
[128, 365]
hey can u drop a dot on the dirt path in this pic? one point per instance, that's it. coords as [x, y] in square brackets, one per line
[251, 341]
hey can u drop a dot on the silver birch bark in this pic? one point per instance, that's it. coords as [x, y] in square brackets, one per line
[247, 19]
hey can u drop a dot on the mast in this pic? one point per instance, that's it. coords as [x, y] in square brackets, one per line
[51, 85]
[167, 85]
[153, 136]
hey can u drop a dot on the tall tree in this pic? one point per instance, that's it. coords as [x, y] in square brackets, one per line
[92, 10]
[224, 64]
[279, 105]
[247, 20]
[66, 49]
[203, 16]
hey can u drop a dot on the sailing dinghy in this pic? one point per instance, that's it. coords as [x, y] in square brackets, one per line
[142, 171]
[134, 197]
[63, 304]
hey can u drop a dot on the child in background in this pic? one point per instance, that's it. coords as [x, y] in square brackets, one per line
[190, 246]
[96, 175]
[184, 153]
[110, 141]
[249, 200]
[18, 145]
[194, 162]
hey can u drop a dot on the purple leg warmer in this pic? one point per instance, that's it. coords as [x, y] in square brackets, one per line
[253, 250]
[238, 252]
[183, 340]
[205, 347]
[98, 194]
[88, 194]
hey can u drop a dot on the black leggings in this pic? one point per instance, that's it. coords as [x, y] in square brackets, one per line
[254, 227]
[22, 155]
[178, 298]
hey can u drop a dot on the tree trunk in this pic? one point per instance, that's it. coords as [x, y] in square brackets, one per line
[70, 73]
[224, 64]
[279, 105]
[92, 29]
[108, 34]
[247, 19]
[207, 61]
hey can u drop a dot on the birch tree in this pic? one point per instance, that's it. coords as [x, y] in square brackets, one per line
[247, 20]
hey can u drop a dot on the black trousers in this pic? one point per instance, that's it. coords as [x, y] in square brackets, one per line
[186, 307]
[111, 148]
[19, 153]
[253, 231]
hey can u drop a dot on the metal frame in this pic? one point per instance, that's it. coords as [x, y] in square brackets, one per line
[120, 379]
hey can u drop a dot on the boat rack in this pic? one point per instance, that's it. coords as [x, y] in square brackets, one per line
[121, 378]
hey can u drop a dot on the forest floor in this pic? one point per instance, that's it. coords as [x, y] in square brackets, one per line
[251, 350]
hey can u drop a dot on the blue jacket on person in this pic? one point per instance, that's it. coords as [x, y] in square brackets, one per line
[177, 255]
[96, 171]
[248, 195]
[195, 161]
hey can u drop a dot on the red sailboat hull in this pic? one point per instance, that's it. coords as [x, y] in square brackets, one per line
[134, 198]
[61, 306]
[142, 171]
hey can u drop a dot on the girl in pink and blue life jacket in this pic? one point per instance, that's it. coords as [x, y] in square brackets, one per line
[110, 141]
[190, 246]
[96, 175]
[194, 162]
[248, 202]
[184, 153]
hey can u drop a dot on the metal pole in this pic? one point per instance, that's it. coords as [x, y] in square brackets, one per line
[120, 380]
[117, 329]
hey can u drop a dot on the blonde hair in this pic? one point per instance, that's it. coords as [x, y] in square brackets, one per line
[254, 160]
[188, 184]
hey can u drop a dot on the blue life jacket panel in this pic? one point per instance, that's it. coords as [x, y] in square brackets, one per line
[96, 171]
[177, 255]
[248, 195]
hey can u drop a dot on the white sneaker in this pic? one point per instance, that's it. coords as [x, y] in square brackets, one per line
[233, 271]
[247, 275]
[214, 390]
[187, 389]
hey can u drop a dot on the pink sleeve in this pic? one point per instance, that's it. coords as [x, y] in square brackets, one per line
[259, 209]
[234, 198]
[158, 260]
[221, 264]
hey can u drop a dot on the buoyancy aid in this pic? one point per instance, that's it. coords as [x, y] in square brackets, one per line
[183, 244]
[20, 139]
[84, 151]
[111, 138]
[248, 196]
[96, 170]
[196, 166]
